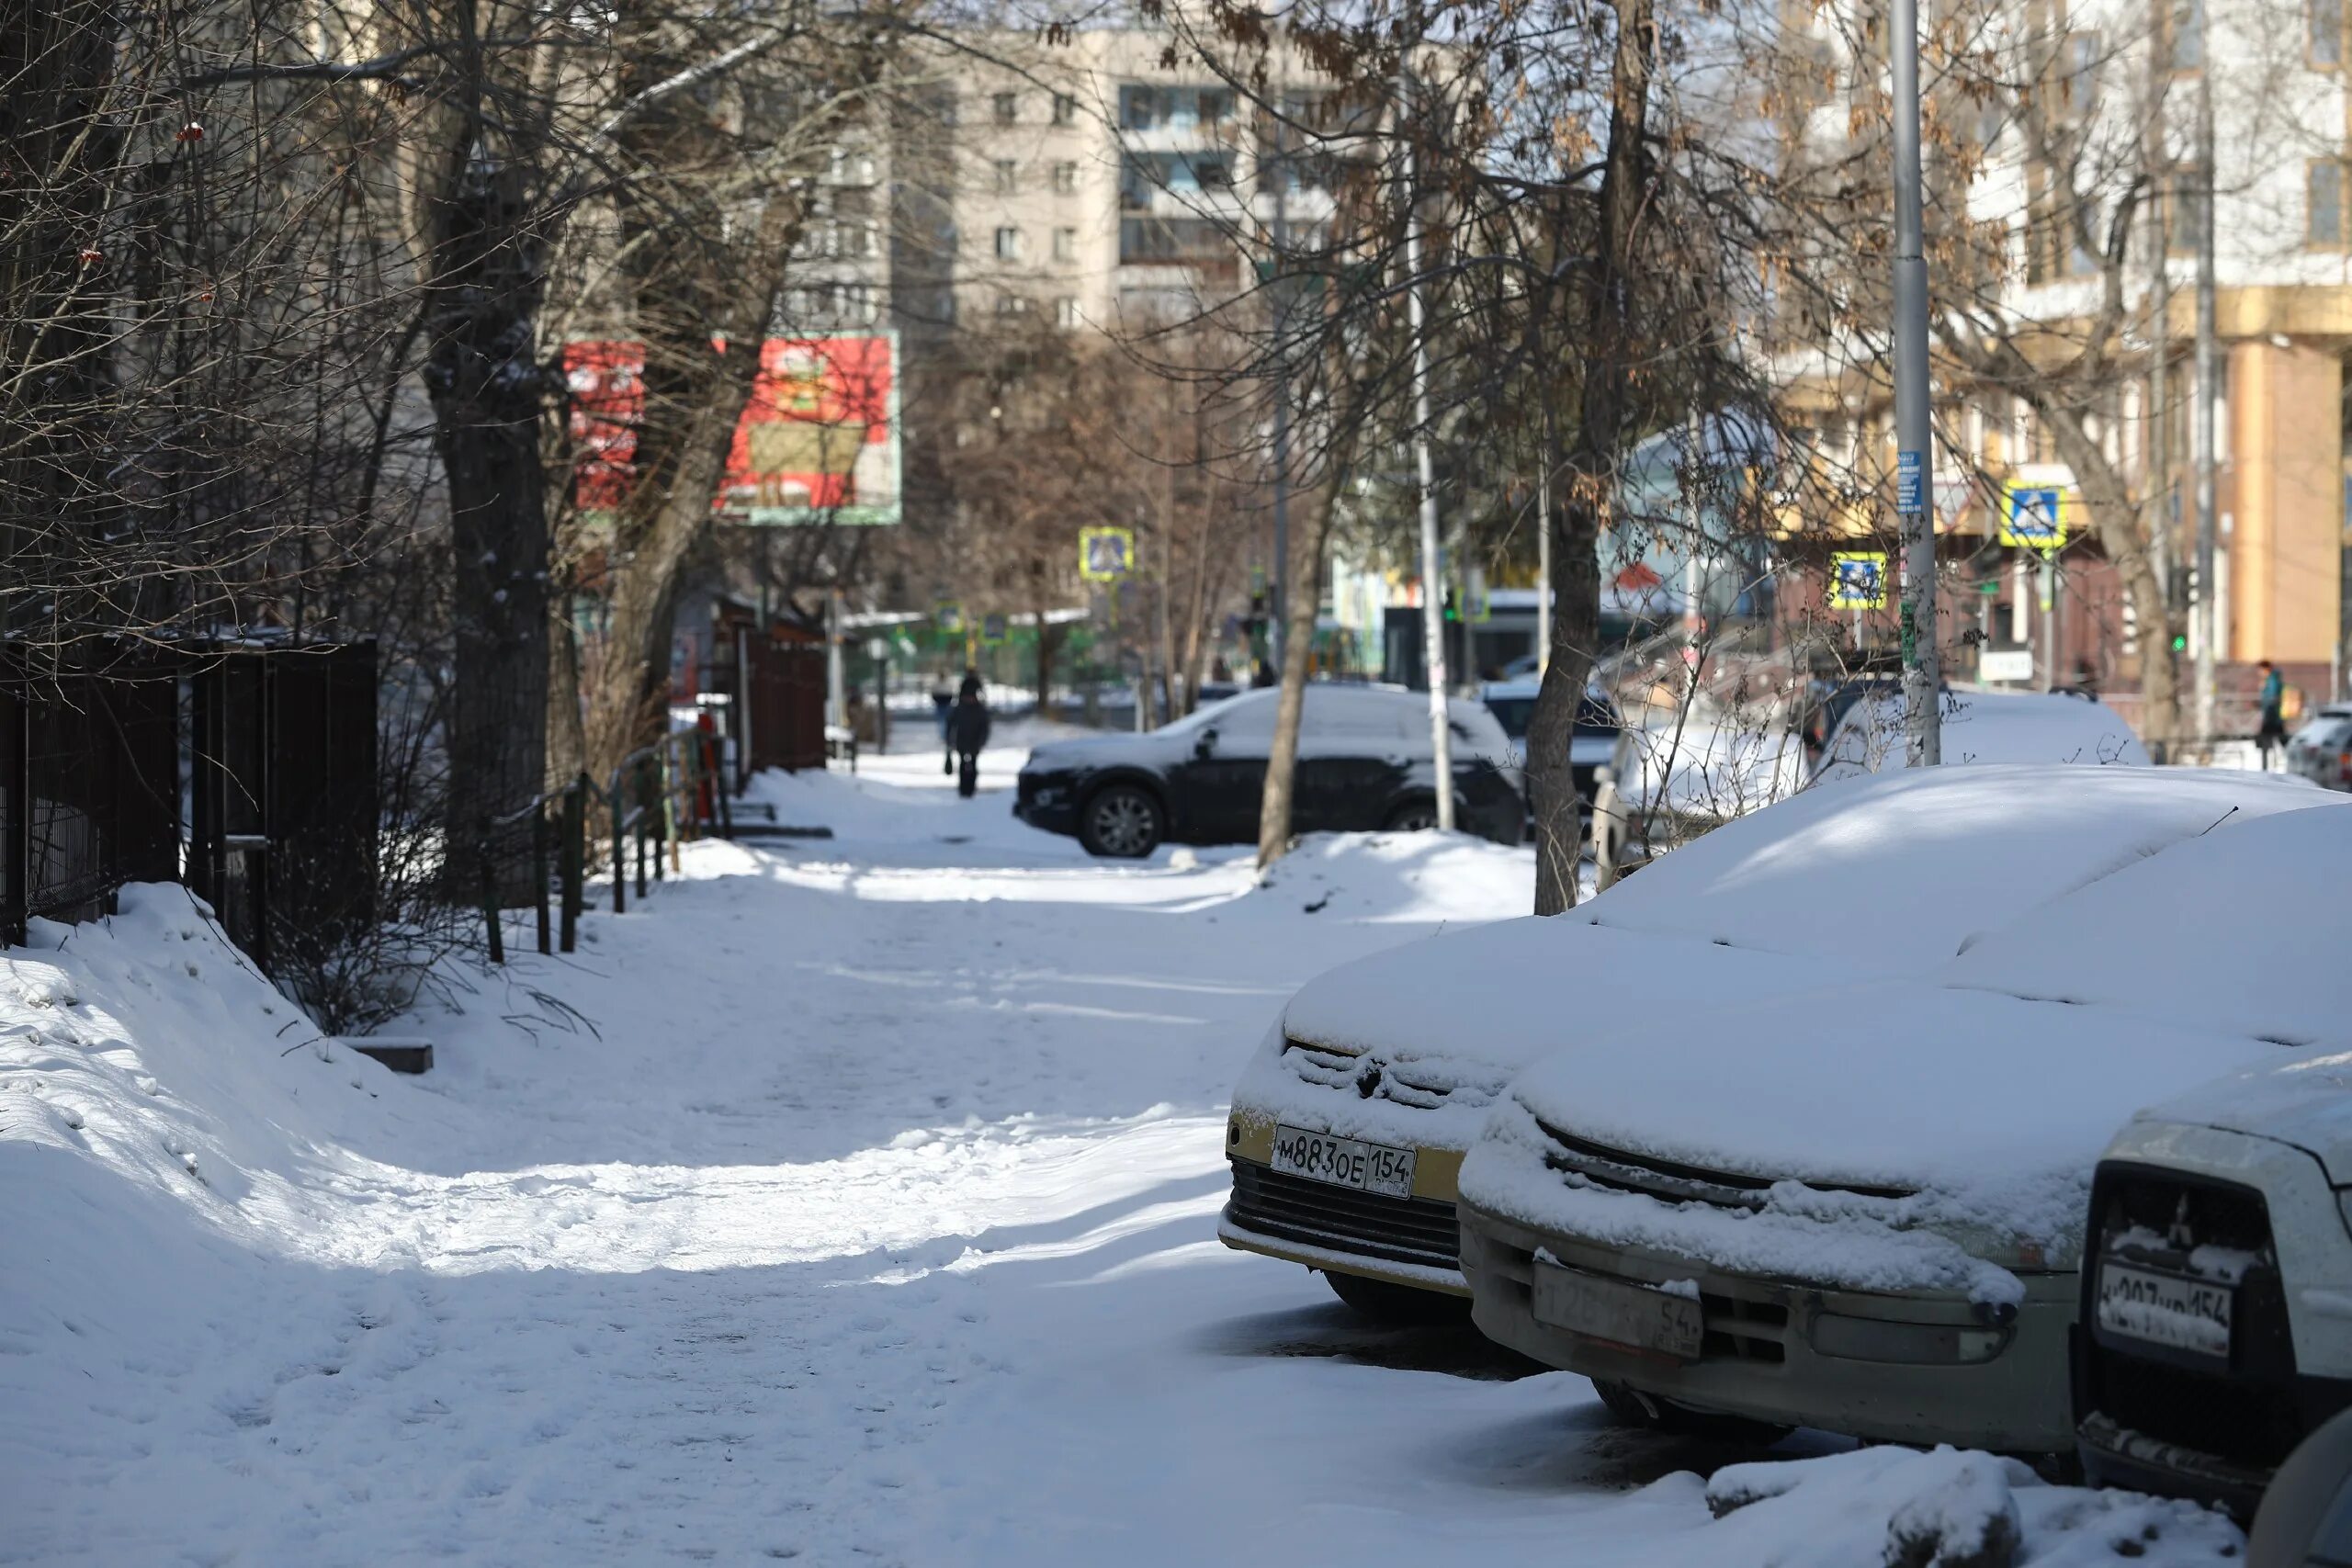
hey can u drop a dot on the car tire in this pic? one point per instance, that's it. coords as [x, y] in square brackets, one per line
[1630, 1407]
[1397, 1306]
[1413, 816]
[1121, 821]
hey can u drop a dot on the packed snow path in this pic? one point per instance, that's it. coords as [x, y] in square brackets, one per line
[846, 1202]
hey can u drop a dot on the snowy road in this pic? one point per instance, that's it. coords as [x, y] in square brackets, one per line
[864, 1214]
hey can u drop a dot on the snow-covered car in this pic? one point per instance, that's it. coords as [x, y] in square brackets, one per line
[1598, 741]
[2321, 748]
[1864, 1211]
[2217, 1301]
[1349, 1124]
[1364, 764]
[1983, 727]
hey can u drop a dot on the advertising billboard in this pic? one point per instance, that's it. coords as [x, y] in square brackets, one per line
[817, 441]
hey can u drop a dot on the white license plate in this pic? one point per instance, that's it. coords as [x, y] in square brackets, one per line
[1345, 1162]
[1617, 1311]
[2171, 1310]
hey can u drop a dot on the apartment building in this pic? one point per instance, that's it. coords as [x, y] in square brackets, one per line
[2117, 87]
[1096, 185]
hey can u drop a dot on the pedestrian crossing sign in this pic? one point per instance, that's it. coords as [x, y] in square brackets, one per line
[1105, 555]
[2034, 516]
[1857, 580]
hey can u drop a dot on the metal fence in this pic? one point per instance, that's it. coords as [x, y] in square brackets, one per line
[247, 771]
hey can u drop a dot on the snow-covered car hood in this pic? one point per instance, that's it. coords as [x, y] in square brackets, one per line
[2302, 1097]
[1450, 1020]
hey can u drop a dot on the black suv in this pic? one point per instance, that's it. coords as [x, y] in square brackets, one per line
[1364, 763]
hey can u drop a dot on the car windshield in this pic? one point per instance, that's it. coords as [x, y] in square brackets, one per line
[1594, 716]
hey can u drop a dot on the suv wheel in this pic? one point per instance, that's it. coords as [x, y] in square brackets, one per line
[1397, 1306]
[1413, 816]
[1630, 1408]
[1121, 822]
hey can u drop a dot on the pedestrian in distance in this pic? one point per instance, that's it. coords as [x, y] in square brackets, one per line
[2272, 734]
[968, 733]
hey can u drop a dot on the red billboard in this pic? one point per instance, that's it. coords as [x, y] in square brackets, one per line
[818, 442]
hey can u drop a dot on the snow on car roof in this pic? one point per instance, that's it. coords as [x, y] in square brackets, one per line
[1900, 868]
[1981, 727]
[2243, 931]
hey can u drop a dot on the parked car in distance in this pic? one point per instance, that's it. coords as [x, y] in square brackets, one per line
[2321, 748]
[1862, 1211]
[1365, 763]
[1598, 741]
[1982, 725]
[2217, 1286]
[1349, 1125]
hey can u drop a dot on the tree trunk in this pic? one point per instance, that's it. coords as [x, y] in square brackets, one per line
[1591, 470]
[1305, 577]
[1551, 729]
[487, 402]
[567, 742]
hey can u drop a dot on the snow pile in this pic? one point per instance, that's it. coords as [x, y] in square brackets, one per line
[1892, 1507]
[1711, 772]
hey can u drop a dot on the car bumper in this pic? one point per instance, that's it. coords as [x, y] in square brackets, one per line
[2216, 1433]
[1052, 811]
[1760, 1357]
[1414, 1242]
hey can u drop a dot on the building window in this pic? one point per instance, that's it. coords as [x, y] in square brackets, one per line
[1066, 179]
[1012, 304]
[2324, 203]
[1008, 107]
[850, 168]
[1066, 312]
[2325, 48]
[2186, 41]
[1007, 175]
[2081, 82]
[1008, 244]
[1065, 109]
[1064, 244]
[2187, 211]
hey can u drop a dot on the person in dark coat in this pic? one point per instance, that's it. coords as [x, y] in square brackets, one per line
[967, 732]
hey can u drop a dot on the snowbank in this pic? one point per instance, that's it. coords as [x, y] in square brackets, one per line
[1986, 726]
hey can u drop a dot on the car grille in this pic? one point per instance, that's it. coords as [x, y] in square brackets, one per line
[1672, 1181]
[1315, 1214]
[1421, 1085]
[2249, 1416]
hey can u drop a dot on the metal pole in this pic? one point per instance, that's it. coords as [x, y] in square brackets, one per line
[1432, 564]
[1281, 630]
[1913, 455]
[836, 695]
[2202, 441]
[1692, 616]
[1544, 559]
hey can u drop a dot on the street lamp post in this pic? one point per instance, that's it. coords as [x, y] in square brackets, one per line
[1914, 457]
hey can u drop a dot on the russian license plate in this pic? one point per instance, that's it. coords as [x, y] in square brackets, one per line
[2171, 1310]
[1345, 1162]
[1618, 1310]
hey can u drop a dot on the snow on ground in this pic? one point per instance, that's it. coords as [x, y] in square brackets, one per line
[845, 1200]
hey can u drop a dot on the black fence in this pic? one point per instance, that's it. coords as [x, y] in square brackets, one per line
[249, 772]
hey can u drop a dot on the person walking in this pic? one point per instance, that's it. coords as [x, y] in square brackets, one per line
[967, 732]
[2271, 735]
